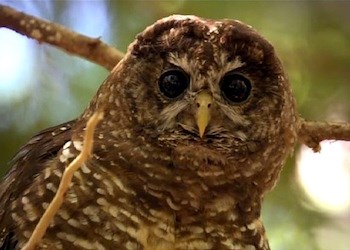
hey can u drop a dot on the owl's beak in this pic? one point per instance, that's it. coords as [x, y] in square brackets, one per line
[204, 102]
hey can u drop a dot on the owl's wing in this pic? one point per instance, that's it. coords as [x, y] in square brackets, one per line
[27, 163]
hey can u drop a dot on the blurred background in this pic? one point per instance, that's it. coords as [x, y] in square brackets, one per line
[41, 86]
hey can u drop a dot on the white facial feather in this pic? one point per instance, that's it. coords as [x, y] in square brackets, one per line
[168, 114]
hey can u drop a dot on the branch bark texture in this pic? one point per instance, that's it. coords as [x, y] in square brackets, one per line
[92, 49]
[312, 133]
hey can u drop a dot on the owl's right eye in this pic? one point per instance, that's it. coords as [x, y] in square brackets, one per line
[173, 82]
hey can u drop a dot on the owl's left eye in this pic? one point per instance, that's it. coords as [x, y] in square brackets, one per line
[173, 82]
[235, 87]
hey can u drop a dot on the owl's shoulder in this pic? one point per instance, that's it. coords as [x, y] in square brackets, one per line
[26, 164]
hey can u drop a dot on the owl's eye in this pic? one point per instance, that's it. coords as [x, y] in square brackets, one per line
[235, 87]
[173, 82]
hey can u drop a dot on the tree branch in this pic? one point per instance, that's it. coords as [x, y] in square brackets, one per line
[312, 133]
[92, 49]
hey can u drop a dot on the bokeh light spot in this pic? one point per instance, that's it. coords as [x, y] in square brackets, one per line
[325, 176]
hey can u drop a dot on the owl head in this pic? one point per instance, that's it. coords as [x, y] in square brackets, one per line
[212, 85]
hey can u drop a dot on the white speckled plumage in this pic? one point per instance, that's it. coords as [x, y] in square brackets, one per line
[154, 182]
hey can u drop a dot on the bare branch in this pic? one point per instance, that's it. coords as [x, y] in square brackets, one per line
[312, 133]
[92, 49]
[66, 179]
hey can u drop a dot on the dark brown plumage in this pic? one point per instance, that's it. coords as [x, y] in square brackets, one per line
[199, 119]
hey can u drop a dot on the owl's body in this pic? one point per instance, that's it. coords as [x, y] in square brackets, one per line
[158, 177]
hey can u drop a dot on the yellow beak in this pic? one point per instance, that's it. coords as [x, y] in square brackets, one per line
[204, 102]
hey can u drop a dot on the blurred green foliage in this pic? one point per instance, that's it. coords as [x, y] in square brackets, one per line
[312, 39]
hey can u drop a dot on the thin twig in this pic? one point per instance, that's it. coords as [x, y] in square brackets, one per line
[312, 133]
[57, 201]
[92, 49]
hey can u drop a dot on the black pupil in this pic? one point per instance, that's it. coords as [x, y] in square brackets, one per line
[173, 83]
[235, 87]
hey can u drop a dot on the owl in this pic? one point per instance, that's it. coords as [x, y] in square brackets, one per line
[198, 120]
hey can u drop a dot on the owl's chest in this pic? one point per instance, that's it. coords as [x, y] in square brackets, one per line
[149, 214]
[142, 222]
[105, 209]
